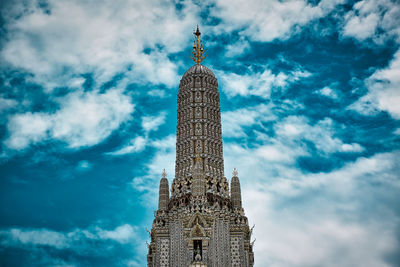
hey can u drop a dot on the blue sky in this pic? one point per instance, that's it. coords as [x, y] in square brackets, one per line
[310, 94]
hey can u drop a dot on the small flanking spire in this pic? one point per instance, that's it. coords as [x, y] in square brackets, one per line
[198, 49]
[236, 196]
[164, 192]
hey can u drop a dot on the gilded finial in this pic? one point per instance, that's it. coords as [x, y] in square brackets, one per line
[198, 49]
[235, 172]
[164, 174]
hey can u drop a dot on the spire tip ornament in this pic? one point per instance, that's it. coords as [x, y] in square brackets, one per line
[235, 172]
[198, 49]
[164, 174]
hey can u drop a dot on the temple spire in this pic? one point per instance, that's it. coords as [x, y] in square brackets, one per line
[198, 49]
[236, 196]
[163, 197]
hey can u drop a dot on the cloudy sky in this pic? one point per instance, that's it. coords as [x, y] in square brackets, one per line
[310, 100]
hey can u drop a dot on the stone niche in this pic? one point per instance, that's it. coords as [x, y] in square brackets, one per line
[197, 239]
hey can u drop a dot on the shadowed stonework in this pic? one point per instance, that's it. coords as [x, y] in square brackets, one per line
[203, 222]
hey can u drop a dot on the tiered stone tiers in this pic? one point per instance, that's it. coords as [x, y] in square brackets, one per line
[199, 133]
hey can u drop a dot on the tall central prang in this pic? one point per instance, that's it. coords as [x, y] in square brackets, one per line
[199, 129]
[202, 223]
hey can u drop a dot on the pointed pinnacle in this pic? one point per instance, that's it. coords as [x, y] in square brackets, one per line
[235, 172]
[197, 33]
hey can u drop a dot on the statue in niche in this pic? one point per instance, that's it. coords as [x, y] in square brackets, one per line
[198, 128]
[222, 190]
[191, 129]
[198, 147]
[198, 256]
[214, 186]
[198, 112]
[191, 147]
[198, 96]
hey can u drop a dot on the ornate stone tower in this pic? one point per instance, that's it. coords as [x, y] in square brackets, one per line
[201, 224]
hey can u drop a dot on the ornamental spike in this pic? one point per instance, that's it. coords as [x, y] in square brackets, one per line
[198, 49]
[235, 172]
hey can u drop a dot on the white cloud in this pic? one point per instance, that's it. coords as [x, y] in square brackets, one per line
[305, 219]
[328, 92]
[233, 122]
[135, 145]
[237, 48]
[101, 37]
[290, 141]
[361, 28]
[93, 241]
[157, 93]
[375, 19]
[121, 234]
[6, 104]
[275, 153]
[83, 165]
[139, 143]
[268, 20]
[256, 83]
[354, 147]
[27, 128]
[42, 237]
[151, 123]
[384, 91]
[84, 119]
[61, 240]
[164, 158]
[295, 128]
